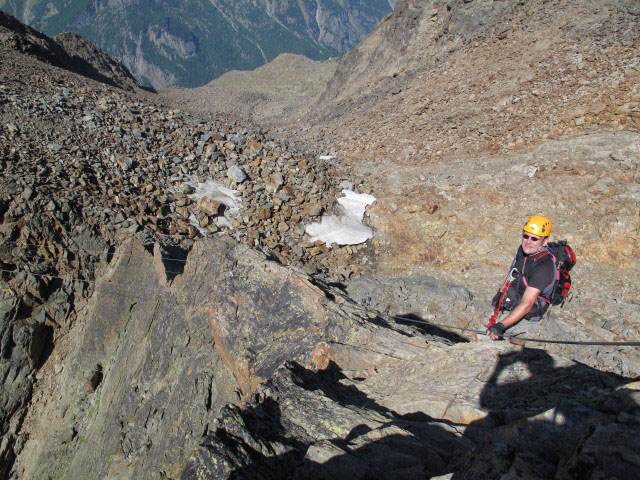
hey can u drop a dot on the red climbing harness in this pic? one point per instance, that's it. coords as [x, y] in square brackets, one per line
[513, 274]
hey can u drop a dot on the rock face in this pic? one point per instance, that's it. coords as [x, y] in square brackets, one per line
[321, 386]
[23, 345]
[421, 296]
[145, 346]
[305, 424]
[322, 425]
[190, 43]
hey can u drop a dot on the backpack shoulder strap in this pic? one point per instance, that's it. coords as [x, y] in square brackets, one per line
[556, 274]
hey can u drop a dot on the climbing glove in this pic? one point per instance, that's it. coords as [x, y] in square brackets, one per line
[498, 329]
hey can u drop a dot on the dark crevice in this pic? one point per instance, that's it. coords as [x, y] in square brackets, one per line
[174, 260]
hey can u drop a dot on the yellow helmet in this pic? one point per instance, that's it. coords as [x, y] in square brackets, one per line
[538, 225]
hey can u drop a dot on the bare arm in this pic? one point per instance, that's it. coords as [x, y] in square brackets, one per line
[528, 299]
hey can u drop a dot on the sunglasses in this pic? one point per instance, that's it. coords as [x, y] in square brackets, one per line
[529, 237]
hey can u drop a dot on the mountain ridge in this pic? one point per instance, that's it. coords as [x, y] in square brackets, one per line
[68, 50]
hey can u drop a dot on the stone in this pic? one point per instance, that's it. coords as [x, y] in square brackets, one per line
[277, 179]
[236, 174]
[182, 212]
[312, 209]
[253, 145]
[283, 227]
[264, 212]
[209, 207]
[125, 163]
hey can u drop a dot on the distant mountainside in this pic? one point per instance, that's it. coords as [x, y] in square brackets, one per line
[190, 42]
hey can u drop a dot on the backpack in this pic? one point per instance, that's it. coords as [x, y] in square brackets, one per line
[555, 294]
[564, 260]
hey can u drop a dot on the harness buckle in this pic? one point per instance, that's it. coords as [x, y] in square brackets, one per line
[513, 274]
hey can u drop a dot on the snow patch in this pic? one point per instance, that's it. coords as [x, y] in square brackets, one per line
[346, 228]
[216, 191]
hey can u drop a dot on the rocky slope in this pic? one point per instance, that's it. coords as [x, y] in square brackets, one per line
[461, 136]
[466, 137]
[270, 93]
[190, 42]
[86, 166]
[452, 77]
[347, 391]
[143, 336]
[132, 165]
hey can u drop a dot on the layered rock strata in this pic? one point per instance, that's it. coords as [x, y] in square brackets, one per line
[135, 385]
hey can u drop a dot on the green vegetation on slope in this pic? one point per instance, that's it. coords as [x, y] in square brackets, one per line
[190, 42]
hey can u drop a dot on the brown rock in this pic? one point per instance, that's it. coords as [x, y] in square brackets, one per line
[182, 212]
[283, 227]
[312, 209]
[264, 213]
[209, 207]
[253, 145]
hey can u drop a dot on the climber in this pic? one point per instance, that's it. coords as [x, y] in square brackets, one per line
[524, 298]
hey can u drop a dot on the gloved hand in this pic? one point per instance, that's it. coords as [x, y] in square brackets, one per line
[496, 331]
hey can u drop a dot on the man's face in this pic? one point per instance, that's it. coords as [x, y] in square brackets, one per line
[531, 243]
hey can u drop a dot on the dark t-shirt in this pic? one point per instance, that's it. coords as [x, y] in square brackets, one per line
[539, 272]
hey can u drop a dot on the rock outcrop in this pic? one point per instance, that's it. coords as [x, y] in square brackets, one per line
[23, 345]
[67, 50]
[531, 414]
[151, 362]
[319, 385]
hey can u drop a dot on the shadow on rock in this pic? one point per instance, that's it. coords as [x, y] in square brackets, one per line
[544, 420]
[174, 259]
[425, 328]
[309, 424]
[547, 417]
